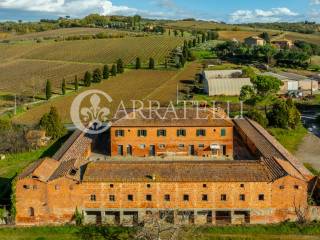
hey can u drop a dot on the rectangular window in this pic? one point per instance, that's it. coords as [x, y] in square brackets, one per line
[242, 197]
[296, 186]
[181, 133]
[130, 197]
[120, 150]
[112, 198]
[161, 133]
[261, 197]
[93, 198]
[186, 197]
[149, 197]
[119, 133]
[167, 198]
[142, 146]
[204, 197]
[142, 133]
[223, 197]
[201, 145]
[223, 132]
[201, 132]
[162, 146]
[181, 146]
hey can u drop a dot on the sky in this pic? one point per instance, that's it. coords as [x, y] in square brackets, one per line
[231, 11]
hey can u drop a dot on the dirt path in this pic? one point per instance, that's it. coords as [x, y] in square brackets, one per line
[309, 151]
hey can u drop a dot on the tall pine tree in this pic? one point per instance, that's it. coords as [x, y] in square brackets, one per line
[105, 72]
[87, 79]
[63, 87]
[151, 63]
[76, 83]
[114, 70]
[138, 63]
[97, 76]
[48, 90]
[120, 67]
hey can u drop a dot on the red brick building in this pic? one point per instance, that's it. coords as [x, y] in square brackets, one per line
[205, 188]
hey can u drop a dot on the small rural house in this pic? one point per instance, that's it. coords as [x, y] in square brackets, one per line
[224, 82]
[254, 41]
[295, 83]
[284, 43]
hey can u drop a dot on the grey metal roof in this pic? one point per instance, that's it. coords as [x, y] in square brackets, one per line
[285, 76]
[227, 86]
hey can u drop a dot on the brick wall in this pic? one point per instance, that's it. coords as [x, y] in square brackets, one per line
[56, 201]
[172, 141]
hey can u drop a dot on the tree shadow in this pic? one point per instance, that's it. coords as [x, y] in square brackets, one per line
[55, 146]
[6, 190]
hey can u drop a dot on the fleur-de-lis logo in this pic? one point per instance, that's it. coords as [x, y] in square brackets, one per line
[92, 119]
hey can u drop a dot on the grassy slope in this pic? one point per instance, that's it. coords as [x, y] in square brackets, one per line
[290, 139]
[133, 84]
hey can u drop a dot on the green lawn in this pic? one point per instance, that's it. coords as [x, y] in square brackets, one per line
[290, 139]
[204, 97]
[288, 231]
[13, 164]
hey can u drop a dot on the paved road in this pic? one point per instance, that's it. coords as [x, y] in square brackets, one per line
[309, 151]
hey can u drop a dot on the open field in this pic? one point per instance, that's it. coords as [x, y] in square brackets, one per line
[23, 76]
[311, 38]
[65, 32]
[108, 50]
[239, 35]
[204, 25]
[168, 90]
[315, 60]
[133, 84]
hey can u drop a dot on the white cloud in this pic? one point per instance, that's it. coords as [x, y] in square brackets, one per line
[315, 2]
[259, 15]
[68, 7]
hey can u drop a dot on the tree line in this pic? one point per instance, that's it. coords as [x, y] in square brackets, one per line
[289, 57]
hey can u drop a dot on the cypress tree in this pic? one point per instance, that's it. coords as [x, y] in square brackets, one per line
[97, 75]
[52, 123]
[76, 83]
[114, 70]
[105, 72]
[194, 42]
[151, 63]
[120, 67]
[63, 87]
[48, 90]
[87, 79]
[138, 63]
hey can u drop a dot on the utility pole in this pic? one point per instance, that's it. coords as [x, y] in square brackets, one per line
[15, 104]
[177, 94]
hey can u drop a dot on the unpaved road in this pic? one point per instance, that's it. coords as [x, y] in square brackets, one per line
[309, 151]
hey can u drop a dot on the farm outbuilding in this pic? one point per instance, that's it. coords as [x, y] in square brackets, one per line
[295, 83]
[224, 82]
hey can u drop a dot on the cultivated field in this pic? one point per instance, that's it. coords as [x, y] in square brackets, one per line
[65, 32]
[107, 50]
[203, 25]
[312, 38]
[240, 35]
[133, 84]
[168, 90]
[25, 76]
[315, 60]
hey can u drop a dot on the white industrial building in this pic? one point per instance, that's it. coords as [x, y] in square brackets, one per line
[224, 82]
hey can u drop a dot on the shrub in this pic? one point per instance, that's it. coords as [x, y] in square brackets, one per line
[97, 75]
[258, 117]
[87, 79]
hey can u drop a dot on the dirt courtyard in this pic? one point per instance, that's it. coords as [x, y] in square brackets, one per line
[309, 151]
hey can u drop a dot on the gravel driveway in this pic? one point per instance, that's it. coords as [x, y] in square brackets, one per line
[309, 151]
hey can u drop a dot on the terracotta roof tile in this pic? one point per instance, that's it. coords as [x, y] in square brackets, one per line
[177, 171]
[190, 117]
